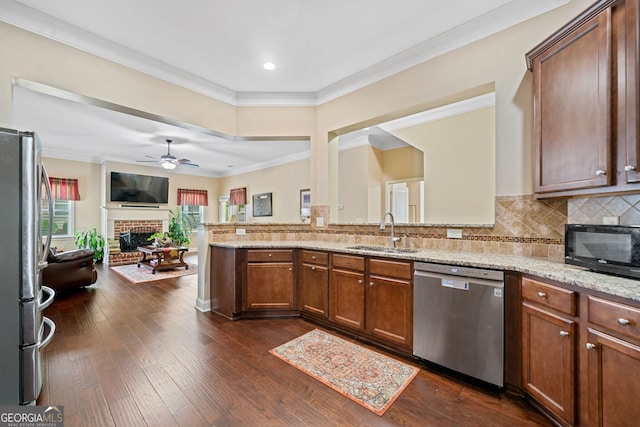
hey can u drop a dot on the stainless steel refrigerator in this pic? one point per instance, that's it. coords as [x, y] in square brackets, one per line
[23, 250]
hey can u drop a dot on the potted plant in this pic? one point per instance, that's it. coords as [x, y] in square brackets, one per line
[180, 227]
[92, 239]
[161, 239]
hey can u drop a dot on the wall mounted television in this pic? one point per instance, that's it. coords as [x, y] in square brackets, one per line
[134, 188]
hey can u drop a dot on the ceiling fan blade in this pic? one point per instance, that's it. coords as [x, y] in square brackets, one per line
[185, 162]
[147, 161]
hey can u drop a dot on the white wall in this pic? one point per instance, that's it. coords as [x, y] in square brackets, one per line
[284, 182]
[459, 167]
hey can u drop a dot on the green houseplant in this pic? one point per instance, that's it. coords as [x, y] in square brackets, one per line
[92, 239]
[180, 226]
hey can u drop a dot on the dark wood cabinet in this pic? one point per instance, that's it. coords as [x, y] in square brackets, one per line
[549, 360]
[572, 108]
[549, 347]
[348, 291]
[270, 280]
[389, 297]
[613, 358]
[580, 353]
[613, 380]
[226, 275]
[314, 283]
[586, 103]
[629, 157]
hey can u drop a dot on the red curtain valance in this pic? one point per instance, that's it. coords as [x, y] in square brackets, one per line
[64, 188]
[192, 197]
[238, 196]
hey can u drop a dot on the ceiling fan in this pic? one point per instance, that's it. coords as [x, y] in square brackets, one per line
[169, 161]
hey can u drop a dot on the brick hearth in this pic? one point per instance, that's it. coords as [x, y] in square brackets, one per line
[119, 258]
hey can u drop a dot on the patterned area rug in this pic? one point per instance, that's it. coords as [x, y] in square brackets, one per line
[371, 379]
[132, 273]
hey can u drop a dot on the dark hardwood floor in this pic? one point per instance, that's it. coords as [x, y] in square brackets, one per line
[140, 354]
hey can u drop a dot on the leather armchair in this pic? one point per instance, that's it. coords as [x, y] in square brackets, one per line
[70, 269]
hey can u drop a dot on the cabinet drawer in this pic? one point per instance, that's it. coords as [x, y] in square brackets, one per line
[266, 255]
[313, 257]
[561, 299]
[621, 318]
[383, 267]
[348, 262]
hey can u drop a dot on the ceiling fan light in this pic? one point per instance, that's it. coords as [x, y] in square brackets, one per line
[168, 165]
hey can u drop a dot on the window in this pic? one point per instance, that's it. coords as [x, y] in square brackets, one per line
[62, 218]
[194, 213]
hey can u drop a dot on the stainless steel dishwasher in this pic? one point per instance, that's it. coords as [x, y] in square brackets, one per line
[458, 319]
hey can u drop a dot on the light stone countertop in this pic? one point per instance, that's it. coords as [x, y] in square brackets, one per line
[573, 275]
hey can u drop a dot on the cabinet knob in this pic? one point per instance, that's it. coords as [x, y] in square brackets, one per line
[269, 254]
[313, 267]
[601, 172]
[590, 346]
[564, 333]
[629, 168]
[360, 282]
[290, 269]
[542, 294]
[370, 283]
[313, 257]
[624, 322]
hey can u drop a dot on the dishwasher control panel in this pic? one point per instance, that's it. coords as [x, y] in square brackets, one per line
[455, 270]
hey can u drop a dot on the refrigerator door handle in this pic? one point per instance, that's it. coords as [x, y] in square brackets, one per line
[52, 330]
[46, 303]
[47, 245]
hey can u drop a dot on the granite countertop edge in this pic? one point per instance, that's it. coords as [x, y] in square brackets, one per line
[572, 275]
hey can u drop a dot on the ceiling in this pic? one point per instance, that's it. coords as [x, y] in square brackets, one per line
[322, 50]
[81, 131]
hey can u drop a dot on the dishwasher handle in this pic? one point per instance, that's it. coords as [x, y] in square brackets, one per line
[474, 280]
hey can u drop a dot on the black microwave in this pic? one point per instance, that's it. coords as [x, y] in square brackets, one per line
[611, 249]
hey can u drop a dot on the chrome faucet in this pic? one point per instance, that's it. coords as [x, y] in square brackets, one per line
[394, 239]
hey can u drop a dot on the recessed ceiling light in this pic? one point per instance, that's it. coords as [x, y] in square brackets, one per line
[270, 66]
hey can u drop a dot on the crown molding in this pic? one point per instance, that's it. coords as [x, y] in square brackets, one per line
[510, 14]
[276, 99]
[439, 113]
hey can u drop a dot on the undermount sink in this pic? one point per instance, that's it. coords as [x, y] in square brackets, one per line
[383, 249]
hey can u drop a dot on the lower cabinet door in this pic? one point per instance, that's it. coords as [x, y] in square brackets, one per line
[347, 298]
[613, 380]
[390, 310]
[270, 286]
[549, 360]
[314, 289]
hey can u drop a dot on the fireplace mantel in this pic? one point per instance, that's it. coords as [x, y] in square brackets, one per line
[117, 213]
[132, 212]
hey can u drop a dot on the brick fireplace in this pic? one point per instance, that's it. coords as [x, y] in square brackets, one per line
[124, 219]
[121, 256]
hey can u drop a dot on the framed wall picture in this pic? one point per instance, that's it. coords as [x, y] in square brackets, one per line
[305, 202]
[262, 204]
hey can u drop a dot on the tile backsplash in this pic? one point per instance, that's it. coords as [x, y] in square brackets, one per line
[593, 210]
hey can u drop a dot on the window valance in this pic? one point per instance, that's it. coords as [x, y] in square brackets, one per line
[64, 188]
[192, 197]
[238, 196]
